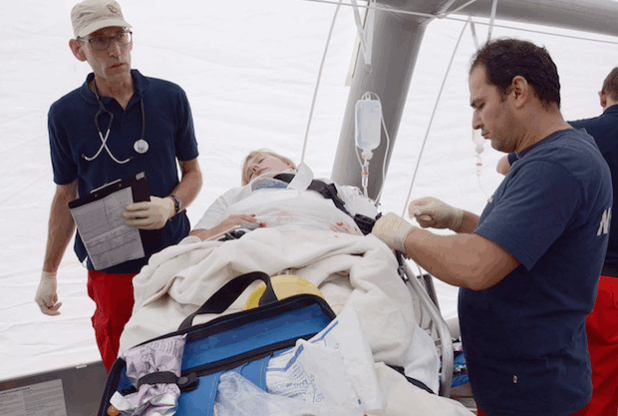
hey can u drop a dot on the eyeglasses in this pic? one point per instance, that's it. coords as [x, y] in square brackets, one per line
[101, 43]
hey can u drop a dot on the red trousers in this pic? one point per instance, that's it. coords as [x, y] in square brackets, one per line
[113, 296]
[602, 332]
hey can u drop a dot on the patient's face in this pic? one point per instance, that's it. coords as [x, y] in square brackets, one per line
[262, 163]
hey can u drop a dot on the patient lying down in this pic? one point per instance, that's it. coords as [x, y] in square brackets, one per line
[272, 202]
[304, 234]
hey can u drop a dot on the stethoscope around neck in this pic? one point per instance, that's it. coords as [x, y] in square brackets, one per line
[140, 146]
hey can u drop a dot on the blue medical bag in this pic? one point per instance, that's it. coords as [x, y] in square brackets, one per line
[242, 341]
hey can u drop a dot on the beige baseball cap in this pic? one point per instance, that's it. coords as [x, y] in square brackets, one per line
[91, 15]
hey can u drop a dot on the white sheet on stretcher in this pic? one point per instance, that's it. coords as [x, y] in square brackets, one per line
[349, 270]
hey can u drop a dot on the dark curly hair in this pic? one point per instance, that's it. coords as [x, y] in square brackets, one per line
[504, 59]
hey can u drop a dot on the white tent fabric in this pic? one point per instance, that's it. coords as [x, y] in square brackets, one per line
[249, 69]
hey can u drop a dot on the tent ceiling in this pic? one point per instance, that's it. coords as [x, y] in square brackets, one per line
[595, 16]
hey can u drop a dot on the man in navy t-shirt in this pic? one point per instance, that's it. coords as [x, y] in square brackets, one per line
[529, 265]
[117, 125]
[602, 323]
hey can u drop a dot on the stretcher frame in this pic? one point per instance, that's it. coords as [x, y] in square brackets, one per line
[430, 320]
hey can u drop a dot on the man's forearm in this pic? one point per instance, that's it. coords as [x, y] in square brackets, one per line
[463, 260]
[60, 228]
[190, 183]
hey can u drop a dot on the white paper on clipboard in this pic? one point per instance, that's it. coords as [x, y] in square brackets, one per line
[101, 226]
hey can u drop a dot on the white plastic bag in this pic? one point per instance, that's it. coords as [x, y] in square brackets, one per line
[163, 355]
[334, 370]
[237, 396]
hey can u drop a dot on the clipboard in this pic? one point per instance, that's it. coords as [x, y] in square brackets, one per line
[100, 225]
[138, 184]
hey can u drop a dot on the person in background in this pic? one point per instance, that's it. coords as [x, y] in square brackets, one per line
[117, 124]
[505, 162]
[602, 323]
[528, 267]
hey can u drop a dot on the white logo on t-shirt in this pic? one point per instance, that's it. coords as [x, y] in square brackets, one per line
[604, 226]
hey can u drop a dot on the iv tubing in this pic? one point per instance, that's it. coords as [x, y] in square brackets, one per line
[432, 116]
[317, 84]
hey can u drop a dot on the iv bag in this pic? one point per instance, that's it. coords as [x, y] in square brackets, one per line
[367, 126]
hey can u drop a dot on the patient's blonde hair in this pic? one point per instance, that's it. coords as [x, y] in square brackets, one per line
[251, 155]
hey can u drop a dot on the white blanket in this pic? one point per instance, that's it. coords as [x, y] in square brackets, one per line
[355, 270]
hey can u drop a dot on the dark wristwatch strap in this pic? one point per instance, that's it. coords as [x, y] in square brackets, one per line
[177, 204]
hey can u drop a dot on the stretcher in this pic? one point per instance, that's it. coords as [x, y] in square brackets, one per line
[420, 287]
[353, 271]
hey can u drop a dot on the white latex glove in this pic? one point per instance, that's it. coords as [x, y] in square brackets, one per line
[150, 215]
[393, 230]
[431, 212]
[46, 296]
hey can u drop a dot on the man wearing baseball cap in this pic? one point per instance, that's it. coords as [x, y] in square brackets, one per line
[118, 124]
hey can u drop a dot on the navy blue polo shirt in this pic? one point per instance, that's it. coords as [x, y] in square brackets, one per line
[169, 131]
[604, 130]
[525, 337]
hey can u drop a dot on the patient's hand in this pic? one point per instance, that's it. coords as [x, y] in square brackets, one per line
[225, 225]
[234, 220]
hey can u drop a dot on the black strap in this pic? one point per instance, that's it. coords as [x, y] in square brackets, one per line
[329, 191]
[160, 377]
[184, 383]
[411, 380]
[224, 297]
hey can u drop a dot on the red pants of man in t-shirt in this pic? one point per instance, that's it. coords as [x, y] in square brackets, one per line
[602, 331]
